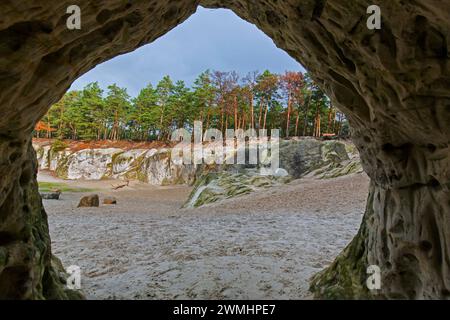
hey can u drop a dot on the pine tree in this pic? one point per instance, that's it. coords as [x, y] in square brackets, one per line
[203, 98]
[164, 91]
[145, 113]
[217, 98]
[117, 106]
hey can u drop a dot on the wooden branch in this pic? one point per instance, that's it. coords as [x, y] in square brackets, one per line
[121, 185]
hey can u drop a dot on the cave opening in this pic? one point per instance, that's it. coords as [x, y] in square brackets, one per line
[391, 83]
[157, 229]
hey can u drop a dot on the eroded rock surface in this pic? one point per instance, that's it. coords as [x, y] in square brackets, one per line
[152, 166]
[155, 166]
[298, 158]
[393, 85]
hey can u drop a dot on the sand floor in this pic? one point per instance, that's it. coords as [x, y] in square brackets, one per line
[260, 246]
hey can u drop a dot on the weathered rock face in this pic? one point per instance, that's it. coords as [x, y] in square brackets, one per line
[317, 158]
[27, 268]
[153, 166]
[298, 158]
[393, 85]
[159, 169]
[216, 186]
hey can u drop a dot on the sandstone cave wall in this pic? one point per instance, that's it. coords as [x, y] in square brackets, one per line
[393, 85]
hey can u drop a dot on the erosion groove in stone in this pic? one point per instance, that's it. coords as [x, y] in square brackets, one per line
[393, 85]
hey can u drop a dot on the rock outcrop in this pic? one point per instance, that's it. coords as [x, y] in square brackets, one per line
[153, 166]
[392, 84]
[216, 186]
[298, 158]
[322, 159]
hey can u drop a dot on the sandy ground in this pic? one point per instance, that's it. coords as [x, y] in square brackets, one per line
[260, 246]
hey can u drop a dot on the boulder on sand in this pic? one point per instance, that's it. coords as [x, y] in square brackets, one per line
[54, 195]
[110, 200]
[91, 200]
[280, 172]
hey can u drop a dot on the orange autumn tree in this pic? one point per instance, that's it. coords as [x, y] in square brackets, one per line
[291, 84]
[42, 127]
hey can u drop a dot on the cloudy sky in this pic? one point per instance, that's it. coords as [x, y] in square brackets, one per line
[210, 39]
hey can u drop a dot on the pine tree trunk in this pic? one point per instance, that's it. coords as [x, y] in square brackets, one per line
[48, 127]
[235, 113]
[318, 132]
[305, 119]
[226, 125]
[60, 126]
[296, 123]
[288, 116]
[339, 124]
[252, 112]
[161, 121]
[222, 121]
[330, 112]
[207, 120]
[261, 102]
[265, 116]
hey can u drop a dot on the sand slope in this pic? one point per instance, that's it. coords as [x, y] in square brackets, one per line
[261, 246]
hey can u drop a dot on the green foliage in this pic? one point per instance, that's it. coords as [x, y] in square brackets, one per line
[50, 186]
[90, 109]
[118, 111]
[290, 102]
[144, 113]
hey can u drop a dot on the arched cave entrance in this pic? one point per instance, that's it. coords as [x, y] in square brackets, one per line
[392, 83]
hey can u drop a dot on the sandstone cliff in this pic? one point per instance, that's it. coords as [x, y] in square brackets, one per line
[154, 166]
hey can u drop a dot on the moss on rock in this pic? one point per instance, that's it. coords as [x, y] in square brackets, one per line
[213, 186]
[346, 277]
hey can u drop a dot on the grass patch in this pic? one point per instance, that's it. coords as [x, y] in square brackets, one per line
[49, 186]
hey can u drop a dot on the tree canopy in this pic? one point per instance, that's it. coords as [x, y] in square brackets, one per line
[291, 102]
